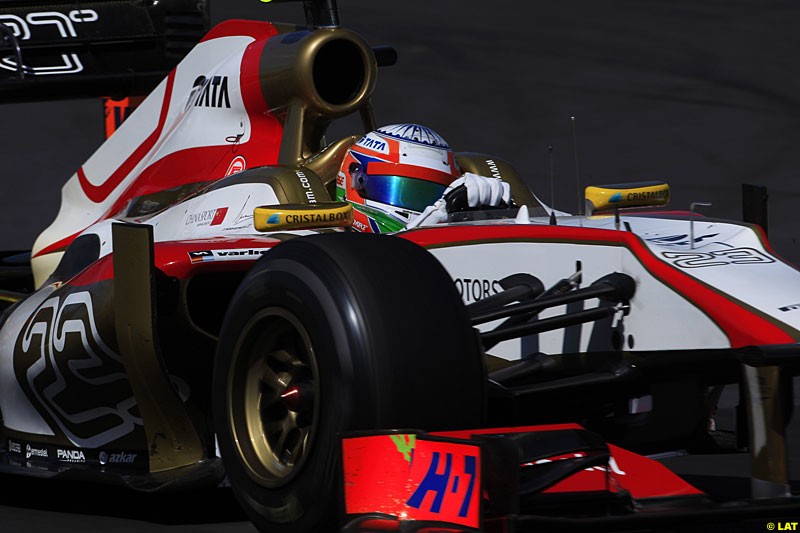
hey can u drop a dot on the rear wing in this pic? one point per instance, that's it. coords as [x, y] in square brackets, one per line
[79, 49]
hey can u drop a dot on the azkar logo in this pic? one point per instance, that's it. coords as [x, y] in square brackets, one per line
[117, 458]
[210, 92]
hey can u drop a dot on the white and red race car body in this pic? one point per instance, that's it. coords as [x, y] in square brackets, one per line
[239, 124]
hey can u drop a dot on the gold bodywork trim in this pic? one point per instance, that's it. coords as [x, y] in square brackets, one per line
[494, 167]
[767, 433]
[11, 297]
[292, 73]
[326, 163]
[172, 439]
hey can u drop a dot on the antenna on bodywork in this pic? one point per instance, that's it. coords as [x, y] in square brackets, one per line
[552, 188]
[577, 168]
[321, 13]
[692, 209]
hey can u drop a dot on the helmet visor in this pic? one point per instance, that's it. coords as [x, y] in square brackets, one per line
[399, 191]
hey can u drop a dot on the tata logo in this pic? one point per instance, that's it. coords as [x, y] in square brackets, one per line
[210, 92]
[373, 144]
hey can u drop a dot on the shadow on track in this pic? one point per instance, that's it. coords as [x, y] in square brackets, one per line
[210, 506]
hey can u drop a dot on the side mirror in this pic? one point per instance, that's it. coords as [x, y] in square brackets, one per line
[620, 196]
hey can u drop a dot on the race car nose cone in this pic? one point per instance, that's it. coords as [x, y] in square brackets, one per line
[299, 397]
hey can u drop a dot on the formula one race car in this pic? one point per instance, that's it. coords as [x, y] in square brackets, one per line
[200, 309]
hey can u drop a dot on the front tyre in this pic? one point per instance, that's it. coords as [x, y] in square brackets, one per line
[332, 333]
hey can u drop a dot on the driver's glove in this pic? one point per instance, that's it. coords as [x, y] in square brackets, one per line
[481, 191]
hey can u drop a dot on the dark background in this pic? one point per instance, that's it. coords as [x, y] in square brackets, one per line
[703, 95]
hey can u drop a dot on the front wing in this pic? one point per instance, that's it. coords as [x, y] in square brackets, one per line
[539, 478]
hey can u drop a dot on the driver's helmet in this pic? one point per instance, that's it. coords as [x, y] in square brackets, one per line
[393, 173]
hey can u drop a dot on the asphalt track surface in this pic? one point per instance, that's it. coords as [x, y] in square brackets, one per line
[703, 95]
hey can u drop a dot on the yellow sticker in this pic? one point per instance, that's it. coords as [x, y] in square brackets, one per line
[303, 216]
[643, 194]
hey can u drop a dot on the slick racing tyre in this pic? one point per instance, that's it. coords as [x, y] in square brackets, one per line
[327, 334]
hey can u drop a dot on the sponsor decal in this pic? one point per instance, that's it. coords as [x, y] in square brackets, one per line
[70, 456]
[360, 226]
[35, 452]
[201, 255]
[734, 256]
[63, 23]
[644, 195]
[117, 458]
[219, 216]
[311, 218]
[474, 289]
[413, 478]
[240, 228]
[14, 447]
[209, 217]
[340, 180]
[493, 169]
[239, 253]
[787, 308]
[243, 219]
[310, 196]
[329, 214]
[210, 92]
[680, 240]
[252, 254]
[237, 165]
[373, 144]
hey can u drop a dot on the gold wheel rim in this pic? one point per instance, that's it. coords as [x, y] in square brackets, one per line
[273, 363]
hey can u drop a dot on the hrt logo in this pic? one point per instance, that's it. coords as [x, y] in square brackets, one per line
[237, 165]
[210, 92]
